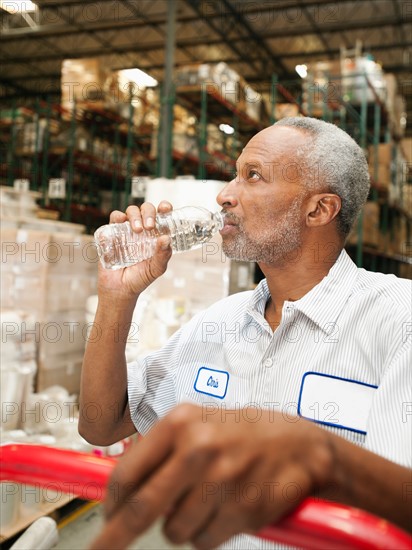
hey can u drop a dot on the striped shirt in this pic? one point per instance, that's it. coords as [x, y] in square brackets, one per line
[341, 356]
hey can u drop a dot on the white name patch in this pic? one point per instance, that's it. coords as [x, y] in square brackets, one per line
[335, 401]
[212, 382]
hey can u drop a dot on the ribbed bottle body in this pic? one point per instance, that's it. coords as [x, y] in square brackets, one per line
[189, 227]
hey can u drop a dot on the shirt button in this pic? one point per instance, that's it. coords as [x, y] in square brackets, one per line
[268, 362]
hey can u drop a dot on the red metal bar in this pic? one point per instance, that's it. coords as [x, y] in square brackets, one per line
[79, 474]
[312, 525]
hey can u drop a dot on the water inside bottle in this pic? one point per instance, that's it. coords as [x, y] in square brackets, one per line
[190, 233]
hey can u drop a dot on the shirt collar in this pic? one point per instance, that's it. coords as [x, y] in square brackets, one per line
[258, 300]
[324, 302]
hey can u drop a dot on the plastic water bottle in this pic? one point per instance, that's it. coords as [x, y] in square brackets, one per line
[188, 227]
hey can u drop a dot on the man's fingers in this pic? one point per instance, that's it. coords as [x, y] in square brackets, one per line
[136, 511]
[134, 216]
[148, 213]
[253, 502]
[192, 513]
[117, 217]
[118, 532]
[164, 207]
[137, 464]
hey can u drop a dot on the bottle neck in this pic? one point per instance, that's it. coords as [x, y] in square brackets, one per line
[220, 220]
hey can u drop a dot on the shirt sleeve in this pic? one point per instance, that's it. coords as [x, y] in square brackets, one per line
[389, 432]
[151, 385]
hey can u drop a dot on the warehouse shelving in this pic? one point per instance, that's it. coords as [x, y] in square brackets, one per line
[74, 154]
[71, 150]
[130, 150]
[211, 106]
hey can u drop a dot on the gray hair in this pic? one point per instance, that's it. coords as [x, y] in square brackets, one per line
[333, 161]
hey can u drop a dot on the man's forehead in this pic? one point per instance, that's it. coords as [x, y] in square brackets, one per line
[273, 142]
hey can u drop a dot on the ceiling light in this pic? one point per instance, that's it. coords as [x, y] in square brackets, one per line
[137, 77]
[302, 70]
[226, 129]
[18, 6]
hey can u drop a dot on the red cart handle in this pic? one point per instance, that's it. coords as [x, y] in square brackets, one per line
[313, 524]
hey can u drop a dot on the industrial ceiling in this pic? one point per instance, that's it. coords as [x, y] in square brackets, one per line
[257, 39]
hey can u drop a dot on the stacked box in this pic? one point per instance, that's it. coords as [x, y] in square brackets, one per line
[84, 81]
[406, 198]
[391, 85]
[284, 110]
[322, 87]
[379, 162]
[15, 203]
[381, 175]
[400, 236]
[406, 148]
[384, 153]
[370, 227]
[215, 139]
[200, 73]
[354, 85]
[254, 104]
[89, 84]
[29, 137]
[51, 275]
[17, 364]
[71, 278]
[24, 270]
[60, 370]
[220, 80]
[398, 119]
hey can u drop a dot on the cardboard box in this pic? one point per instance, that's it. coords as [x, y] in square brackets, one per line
[72, 254]
[69, 292]
[28, 292]
[406, 148]
[391, 91]
[400, 236]
[63, 370]
[283, 110]
[405, 271]
[6, 289]
[62, 333]
[84, 80]
[383, 175]
[384, 156]
[370, 226]
[31, 258]
[406, 198]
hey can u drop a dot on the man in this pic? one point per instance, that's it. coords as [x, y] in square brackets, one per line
[318, 338]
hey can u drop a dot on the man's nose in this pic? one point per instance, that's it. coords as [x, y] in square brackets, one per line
[227, 197]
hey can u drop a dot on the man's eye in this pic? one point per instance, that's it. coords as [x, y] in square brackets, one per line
[253, 175]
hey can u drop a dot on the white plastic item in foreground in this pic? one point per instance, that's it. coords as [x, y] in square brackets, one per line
[41, 535]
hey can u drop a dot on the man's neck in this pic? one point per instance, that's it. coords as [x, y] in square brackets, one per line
[291, 281]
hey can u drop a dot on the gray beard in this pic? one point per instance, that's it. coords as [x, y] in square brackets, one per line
[277, 244]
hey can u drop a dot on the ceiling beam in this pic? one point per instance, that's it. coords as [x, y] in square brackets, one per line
[248, 8]
[273, 59]
[196, 6]
[200, 41]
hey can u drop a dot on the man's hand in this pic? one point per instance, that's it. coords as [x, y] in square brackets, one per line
[129, 282]
[213, 474]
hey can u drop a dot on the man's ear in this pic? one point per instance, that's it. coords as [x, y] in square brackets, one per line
[322, 209]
